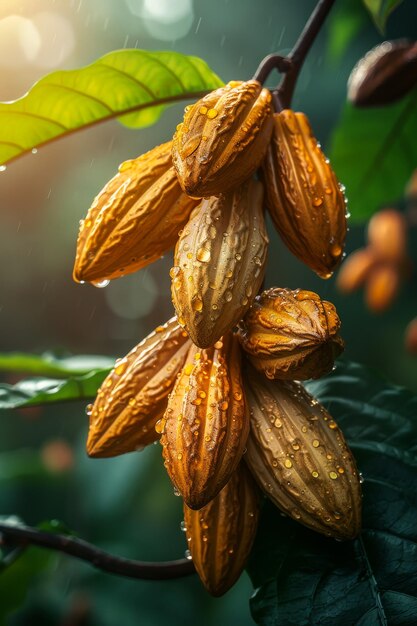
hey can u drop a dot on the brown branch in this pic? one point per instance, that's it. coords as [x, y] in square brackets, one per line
[23, 536]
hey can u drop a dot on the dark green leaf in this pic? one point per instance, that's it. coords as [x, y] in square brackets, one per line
[133, 85]
[374, 153]
[302, 578]
[37, 391]
[380, 10]
[50, 365]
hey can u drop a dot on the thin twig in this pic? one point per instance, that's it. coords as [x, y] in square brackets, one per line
[298, 54]
[269, 63]
[25, 535]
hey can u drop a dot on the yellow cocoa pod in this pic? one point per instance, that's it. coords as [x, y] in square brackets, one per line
[221, 534]
[134, 395]
[291, 334]
[304, 198]
[223, 138]
[134, 220]
[220, 261]
[204, 429]
[299, 457]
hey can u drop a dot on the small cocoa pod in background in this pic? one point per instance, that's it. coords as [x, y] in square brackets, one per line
[205, 427]
[134, 395]
[387, 235]
[221, 534]
[299, 457]
[134, 220]
[355, 269]
[220, 261]
[223, 138]
[304, 198]
[410, 338]
[291, 334]
[385, 74]
[382, 287]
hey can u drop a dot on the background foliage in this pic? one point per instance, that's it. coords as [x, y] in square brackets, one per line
[126, 504]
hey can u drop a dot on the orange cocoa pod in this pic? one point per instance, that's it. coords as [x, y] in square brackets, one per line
[299, 457]
[134, 220]
[204, 428]
[220, 262]
[354, 270]
[387, 235]
[134, 395]
[291, 334]
[221, 534]
[304, 198]
[223, 138]
[382, 287]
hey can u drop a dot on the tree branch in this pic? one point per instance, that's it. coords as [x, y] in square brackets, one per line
[25, 535]
[285, 89]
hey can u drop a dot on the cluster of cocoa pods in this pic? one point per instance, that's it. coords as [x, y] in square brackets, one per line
[219, 384]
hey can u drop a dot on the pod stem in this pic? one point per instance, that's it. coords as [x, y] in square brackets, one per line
[23, 536]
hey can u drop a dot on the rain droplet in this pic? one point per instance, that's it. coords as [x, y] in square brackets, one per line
[333, 475]
[188, 556]
[89, 409]
[100, 284]
[183, 526]
[203, 255]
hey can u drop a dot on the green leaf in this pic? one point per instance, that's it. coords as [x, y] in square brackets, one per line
[303, 578]
[374, 153]
[40, 391]
[132, 85]
[345, 22]
[380, 10]
[49, 364]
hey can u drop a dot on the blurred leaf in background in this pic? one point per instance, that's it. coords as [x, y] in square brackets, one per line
[381, 10]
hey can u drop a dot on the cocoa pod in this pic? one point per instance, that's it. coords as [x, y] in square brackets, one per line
[134, 395]
[220, 261]
[384, 75]
[410, 338]
[221, 534]
[355, 269]
[205, 427]
[223, 138]
[304, 198]
[387, 235]
[299, 457]
[134, 220]
[291, 334]
[382, 287]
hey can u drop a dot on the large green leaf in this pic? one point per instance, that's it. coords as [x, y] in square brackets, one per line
[40, 391]
[380, 10]
[345, 22]
[48, 364]
[302, 578]
[133, 85]
[374, 153]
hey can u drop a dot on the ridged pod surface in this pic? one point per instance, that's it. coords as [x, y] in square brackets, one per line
[134, 220]
[291, 334]
[221, 534]
[304, 198]
[205, 427]
[223, 138]
[220, 261]
[300, 458]
[134, 395]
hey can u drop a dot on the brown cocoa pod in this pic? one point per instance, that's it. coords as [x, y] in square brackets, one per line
[134, 395]
[355, 269]
[205, 427]
[221, 534]
[304, 198]
[382, 287]
[387, 235]
[384, 75]
[134, 220]
[220, 262]
[223, 138]
[291, 334]
[299, 457]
